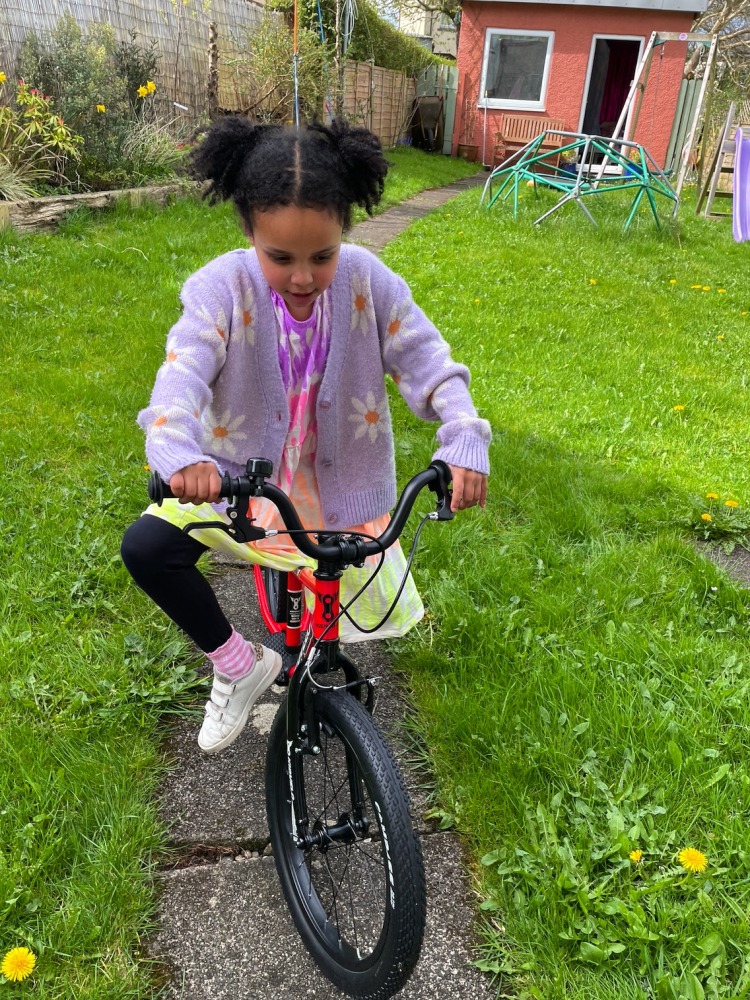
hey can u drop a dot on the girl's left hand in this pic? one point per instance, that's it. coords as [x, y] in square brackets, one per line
[469, 488]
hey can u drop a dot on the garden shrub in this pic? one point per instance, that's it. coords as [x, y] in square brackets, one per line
[35, 144]
[104, 91]
[263, 72]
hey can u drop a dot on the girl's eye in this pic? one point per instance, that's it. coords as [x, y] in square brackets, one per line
[323, 258]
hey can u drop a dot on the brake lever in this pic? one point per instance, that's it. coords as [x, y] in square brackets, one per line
[241, 529]
[443, 510]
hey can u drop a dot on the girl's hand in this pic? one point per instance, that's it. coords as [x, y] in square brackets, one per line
[469, 488]
[196, 483]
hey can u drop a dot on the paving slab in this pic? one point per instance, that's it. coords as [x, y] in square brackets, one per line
[226, 934]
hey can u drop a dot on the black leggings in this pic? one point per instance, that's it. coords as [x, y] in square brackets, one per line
[161, 559]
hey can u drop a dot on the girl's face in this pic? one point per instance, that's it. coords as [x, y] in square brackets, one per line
[298, 252]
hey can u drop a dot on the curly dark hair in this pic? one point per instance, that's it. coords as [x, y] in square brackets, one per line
[260, 167]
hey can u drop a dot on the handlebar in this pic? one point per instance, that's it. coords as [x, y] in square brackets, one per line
[343, 547]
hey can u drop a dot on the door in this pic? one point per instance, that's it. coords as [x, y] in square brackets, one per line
[612, 66]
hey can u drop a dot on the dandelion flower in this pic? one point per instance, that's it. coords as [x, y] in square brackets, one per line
[731, 503]
[101, 108]
[3, 77]
[692, 860]
[147, 468]
[720, 336]
[696, 286]
[712, 496]
[706, 288]
[477, 300]
[593, 281]
[636, 857]
[743, 314]
[673, 281]
[142, 91]
[706, 517]
[18, 964]
[679, 408]
[721, 291]
[150, 86]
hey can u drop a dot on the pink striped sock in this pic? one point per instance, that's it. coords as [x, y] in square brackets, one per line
[235, 659]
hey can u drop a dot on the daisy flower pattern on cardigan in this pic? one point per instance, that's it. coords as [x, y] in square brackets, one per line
[181, 359]
[221, 434]
[243, 321]
[363, 315]
[398, 330]
[370, 417]
[213, 328]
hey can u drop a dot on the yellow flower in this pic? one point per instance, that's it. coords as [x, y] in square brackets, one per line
[731, 503]
[593, 281]
[18, 964]
[706, 517]
[477, 300]
[743, 314]
[673, 281]
[696, 286]
[720, 336]
[147, 468]
[150, 86]
[142, 91]
[100, 107]
[679, 408]
[3, 77]
[706, 288]
[692, 860]
[636, 856]
[721, 291]
[712, 496]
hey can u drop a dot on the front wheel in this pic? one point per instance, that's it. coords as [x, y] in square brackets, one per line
[355, 889]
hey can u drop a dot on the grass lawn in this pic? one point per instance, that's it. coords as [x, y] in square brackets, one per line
[582, 679]
[89, 667]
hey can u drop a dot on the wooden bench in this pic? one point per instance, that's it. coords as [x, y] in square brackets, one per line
[516, 131]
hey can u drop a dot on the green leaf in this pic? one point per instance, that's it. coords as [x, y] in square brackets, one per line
[719, 773]
[592, 953]
[675, 754]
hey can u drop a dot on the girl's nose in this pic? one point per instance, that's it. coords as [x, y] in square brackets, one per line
[302, 278]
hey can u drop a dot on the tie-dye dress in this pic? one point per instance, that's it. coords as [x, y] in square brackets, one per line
[303, 349]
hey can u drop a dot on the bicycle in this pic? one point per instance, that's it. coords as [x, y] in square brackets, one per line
[347, 856]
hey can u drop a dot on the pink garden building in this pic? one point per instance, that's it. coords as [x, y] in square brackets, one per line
[573, 62]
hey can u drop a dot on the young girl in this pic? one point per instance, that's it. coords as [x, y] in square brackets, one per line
[281, 352]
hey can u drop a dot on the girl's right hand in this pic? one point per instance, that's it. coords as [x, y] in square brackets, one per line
[198, 483]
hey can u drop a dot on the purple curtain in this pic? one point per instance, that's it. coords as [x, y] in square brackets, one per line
[622, 62]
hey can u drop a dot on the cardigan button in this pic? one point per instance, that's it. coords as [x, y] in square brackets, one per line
[325, 404]
[332, 518]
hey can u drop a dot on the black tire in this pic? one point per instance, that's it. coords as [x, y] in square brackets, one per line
[274, 583]
[359, 906]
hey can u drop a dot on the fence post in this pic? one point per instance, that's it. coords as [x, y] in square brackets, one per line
[213, 71]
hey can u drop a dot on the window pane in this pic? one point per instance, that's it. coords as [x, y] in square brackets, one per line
[516, 67]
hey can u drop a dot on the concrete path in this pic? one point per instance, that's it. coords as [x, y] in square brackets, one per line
[224, 931]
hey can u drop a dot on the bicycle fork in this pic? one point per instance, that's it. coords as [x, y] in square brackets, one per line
[320, 654]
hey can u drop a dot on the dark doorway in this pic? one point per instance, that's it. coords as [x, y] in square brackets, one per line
[612, 72]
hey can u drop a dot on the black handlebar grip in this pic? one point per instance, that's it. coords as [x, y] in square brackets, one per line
[158, 490]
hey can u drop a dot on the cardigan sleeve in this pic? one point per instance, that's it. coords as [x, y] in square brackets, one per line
[434, 386]
[195, 354]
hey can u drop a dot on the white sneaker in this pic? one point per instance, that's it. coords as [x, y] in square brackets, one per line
[231, 701]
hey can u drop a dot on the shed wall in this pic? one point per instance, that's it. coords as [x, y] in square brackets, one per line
[574, 28]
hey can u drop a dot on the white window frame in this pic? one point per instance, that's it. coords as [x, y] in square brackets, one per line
[494, 102]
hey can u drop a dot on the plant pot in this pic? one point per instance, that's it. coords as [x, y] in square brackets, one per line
[468, 151]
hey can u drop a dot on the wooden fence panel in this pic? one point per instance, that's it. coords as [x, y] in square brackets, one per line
[380, 99]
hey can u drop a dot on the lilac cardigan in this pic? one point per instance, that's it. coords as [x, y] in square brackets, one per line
[219, 395]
